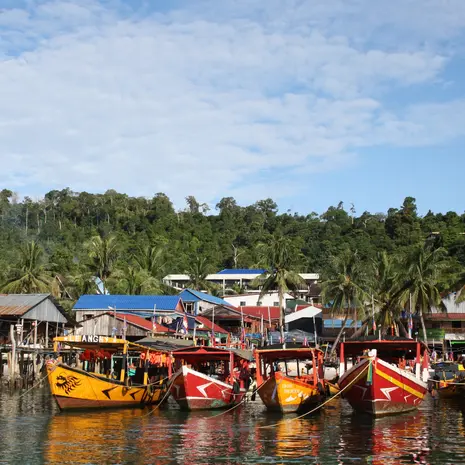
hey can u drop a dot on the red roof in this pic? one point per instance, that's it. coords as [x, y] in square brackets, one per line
[141, 322]
[209, 324]
[301, 307]
[445, 316]
[257, 312]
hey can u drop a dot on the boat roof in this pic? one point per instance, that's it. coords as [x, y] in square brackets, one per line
[393, 344]
[291, 352]
[210, 353]
[102, 342]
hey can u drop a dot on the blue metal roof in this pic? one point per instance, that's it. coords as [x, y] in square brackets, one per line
[189, 295]
[241, 271]
[127, 302]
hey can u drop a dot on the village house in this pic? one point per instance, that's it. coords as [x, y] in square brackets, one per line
[32, 319]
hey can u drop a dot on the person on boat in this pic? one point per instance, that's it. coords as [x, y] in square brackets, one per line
[244, 374]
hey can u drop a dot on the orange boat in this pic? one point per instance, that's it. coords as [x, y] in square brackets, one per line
[281, 382]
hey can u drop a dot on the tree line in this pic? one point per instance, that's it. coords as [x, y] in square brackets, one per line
[65, 240]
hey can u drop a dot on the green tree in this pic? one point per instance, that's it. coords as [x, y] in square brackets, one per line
[103, 254]
[345, 287]
[422, 271]
[278, 256]
[198, 270]
[29, 275]
[135, 281]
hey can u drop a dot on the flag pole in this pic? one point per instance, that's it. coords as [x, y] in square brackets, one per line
[154, 321]
[373, 313]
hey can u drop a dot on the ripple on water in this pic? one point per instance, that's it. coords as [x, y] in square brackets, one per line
[35, 432]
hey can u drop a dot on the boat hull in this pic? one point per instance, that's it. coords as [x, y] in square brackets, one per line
[390, 390]
[288, 395]
[193, 390]
[73, 388]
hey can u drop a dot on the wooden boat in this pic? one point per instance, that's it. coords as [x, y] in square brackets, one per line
[332, 389]
[284, 390]
[448, 380]
[209, 377]
[385, 377]
[75, 387]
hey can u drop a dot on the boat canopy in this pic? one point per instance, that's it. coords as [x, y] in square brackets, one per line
[291, 352]
[354, 348]
[199, 353]
[107, 343]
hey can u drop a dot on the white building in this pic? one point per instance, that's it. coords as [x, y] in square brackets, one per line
[251, 299]
[230, 277]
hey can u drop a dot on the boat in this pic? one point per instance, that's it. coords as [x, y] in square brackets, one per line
[209, 377]
[105, 377]
[448, 380]
[282, 383]
[385, 377]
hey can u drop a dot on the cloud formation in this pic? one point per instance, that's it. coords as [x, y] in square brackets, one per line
[215, 99]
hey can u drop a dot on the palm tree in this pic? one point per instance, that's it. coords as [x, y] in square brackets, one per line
[29, 275]
[81, 282]
[198, 271]
[103, 253]
[345, 287]
[423, 270]
[278, 259]
[150, 258]
[135, 281]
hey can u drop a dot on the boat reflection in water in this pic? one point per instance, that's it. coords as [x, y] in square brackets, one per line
[120, 436]
[386, 440]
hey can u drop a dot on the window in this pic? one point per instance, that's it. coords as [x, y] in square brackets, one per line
[242, 303]
[189, 307]
[88, 316]
[275, 304]
[456, 324]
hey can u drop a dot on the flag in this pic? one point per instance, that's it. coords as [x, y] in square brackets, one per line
[243, 335]
[305, 343]
[410, 322]
[374, 325]
[185, 324]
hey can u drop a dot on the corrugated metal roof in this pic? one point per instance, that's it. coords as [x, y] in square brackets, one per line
[189, 295]
[241, 271]
[141, 322]
[19, 304]
[127, 302]
[209, 325]
[257, 312]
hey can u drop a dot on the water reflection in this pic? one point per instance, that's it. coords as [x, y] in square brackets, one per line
[34, 432]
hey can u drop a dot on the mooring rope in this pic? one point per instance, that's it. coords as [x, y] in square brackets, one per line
[321, 405]
[167, 393]
[237, 405]
[35, 385]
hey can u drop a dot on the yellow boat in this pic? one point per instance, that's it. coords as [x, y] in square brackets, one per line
[332, 389]
[287, 389]
[75, 387]
[448, 380]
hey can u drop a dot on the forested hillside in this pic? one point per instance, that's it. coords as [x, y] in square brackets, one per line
[70, 234]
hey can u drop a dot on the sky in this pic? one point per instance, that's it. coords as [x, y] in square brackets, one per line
[307, 102]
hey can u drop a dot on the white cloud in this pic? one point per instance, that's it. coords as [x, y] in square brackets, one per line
[94, 97]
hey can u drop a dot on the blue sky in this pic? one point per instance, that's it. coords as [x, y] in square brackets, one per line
[310, 103]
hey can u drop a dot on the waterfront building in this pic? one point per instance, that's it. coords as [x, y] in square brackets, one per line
[33, 319]
[242, 278]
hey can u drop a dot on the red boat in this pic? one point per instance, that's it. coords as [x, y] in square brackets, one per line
[385, 377]
[209, 377]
